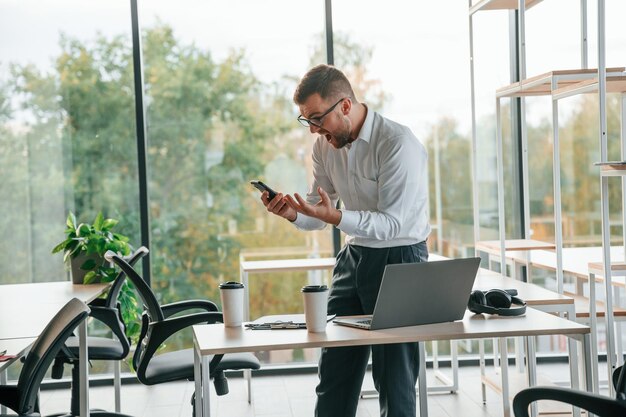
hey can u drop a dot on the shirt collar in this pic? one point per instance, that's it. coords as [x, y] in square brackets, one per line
[366, 130]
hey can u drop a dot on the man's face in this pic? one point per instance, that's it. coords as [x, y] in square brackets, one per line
[333, 124]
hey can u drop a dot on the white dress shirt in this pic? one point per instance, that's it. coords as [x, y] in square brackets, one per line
[381, 178]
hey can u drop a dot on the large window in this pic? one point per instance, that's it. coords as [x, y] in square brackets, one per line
[491, 71]
[219, 84]
[67, 128]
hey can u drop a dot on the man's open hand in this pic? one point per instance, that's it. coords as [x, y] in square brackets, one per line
[323, 210]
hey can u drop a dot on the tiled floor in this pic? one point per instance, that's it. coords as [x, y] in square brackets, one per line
[281, 396]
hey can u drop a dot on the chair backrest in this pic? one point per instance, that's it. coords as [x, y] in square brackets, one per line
[116, 287]
[44, 350]
[145, 292]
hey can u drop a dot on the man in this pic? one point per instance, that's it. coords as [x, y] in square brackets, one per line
[379, 170]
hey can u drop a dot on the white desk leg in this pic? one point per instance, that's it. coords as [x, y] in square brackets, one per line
[516, 269]
[570, 313]
[481, 352]
[3, 381]
[531, 369]
[83, 369]
[197, 375]
[454, 353]
[519, 353]
[593, 323]
[201, 382]
[117, 383]
[587, 359]
[449, 385]
[586, 353]
[573, 358]
[618, 327]
[504, 372]
[247, 373]
[421, 382]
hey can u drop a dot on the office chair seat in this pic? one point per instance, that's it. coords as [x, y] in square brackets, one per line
[175, 366]
[100, 348]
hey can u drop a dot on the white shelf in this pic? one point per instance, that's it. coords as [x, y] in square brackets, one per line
[614, 84]
[613, 170]
[500, 5]
[542, 85]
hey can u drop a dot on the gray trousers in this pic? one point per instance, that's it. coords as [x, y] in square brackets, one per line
[356, 280]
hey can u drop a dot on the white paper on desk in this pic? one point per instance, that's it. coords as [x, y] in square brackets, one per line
[294, 318]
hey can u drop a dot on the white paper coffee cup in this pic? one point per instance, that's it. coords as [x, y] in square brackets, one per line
[231, 294]
[315, 307]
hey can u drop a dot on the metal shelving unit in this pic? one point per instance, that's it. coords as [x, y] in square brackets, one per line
[558, 85]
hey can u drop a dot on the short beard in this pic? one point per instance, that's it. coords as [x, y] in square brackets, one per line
[343, 138]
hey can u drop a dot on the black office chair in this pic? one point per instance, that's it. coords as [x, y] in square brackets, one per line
[106, 310]
[23, 397]
[158, 324]
[595, 404]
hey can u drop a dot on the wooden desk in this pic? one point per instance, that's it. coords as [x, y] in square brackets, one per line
[540, 298]
[493, 246]
[49, 292]
[575, 260]
[518, 248]
[27, 309]
[216, 339]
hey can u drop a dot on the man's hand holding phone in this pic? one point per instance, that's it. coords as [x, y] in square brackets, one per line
[274, 201]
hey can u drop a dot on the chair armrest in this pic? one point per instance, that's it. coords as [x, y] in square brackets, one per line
[159, 331]
[111, 317]
[174, 308]
[98, 302]
[595, 404]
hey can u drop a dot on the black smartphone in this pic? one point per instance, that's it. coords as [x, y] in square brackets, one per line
[260, 185]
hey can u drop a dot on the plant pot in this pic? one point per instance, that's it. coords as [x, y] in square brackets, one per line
[78, 275]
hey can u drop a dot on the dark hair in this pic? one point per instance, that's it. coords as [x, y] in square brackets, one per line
[325, 80]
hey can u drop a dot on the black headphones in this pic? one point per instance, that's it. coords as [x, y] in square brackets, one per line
[496, 301]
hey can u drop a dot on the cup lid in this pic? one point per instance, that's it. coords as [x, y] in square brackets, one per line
[314, 288]
[230, 285]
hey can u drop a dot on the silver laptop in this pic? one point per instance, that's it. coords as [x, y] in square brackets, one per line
[420, 293]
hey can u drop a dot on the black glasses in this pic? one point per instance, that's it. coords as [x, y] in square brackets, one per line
[317, 121]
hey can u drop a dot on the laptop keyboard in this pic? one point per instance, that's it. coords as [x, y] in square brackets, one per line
[366, 321]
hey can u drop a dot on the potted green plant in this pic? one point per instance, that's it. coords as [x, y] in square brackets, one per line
[85, 245]
[84, 248]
